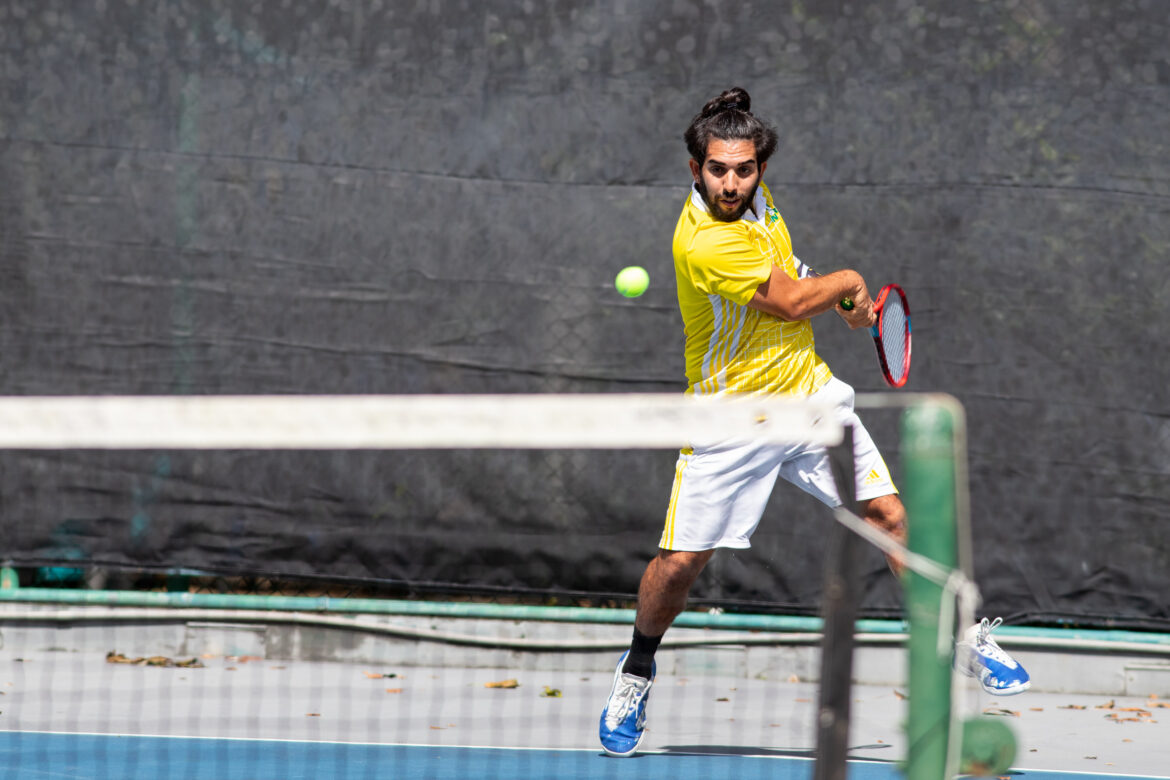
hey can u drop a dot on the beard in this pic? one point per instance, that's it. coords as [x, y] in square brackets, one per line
[716, 208]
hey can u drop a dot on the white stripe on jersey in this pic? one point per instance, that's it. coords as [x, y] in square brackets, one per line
[729, 319]
[713, 342]
[802, 270]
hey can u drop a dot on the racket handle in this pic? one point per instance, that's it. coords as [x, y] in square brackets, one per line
[847, 304]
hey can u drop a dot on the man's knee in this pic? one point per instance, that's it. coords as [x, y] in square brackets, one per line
[681, 566]
[887, 513]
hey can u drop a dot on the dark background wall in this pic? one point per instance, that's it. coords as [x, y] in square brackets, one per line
[434, 196]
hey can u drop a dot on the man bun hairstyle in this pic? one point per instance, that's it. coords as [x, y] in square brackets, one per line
[729, 117]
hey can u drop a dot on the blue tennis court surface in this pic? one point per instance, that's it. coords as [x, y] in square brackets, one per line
[92, 756]
[151, 758]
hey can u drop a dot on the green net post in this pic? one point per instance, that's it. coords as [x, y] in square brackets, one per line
[929, 465]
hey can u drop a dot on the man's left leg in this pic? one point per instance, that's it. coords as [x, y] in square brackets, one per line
[976, 654]
[886, 513]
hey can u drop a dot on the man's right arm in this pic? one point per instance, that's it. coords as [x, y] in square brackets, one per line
[800, 299]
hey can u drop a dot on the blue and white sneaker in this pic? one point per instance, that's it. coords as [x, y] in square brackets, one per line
[977, 655]
[623, 721]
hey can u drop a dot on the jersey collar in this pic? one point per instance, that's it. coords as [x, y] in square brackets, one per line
[754, 214]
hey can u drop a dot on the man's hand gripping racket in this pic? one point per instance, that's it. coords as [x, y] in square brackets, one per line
[891, 333]
[890, 330]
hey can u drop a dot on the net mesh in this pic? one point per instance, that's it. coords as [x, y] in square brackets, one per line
[149, 668]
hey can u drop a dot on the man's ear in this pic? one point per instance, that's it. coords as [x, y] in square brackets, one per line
[695, 170]
[763, 167]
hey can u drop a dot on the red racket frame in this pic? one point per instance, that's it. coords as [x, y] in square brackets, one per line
[876, 332]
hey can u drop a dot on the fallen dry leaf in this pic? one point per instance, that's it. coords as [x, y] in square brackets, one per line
[1000, 711]
[899, 694]
[154, 660]
[1072, 707]
[551, 693]
[1119, 719]
[502, 684]
[393, 690]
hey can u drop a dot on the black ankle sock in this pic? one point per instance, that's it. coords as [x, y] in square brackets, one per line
[641, 658]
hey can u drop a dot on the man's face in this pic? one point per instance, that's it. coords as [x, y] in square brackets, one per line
[728, 178]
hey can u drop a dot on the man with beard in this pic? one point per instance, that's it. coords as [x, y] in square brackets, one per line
[746, 301]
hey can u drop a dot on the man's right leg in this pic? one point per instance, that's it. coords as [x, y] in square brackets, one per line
[662, 594]
[717, 499]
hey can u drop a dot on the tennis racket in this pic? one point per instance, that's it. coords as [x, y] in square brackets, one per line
[891, 334]
[891, 331]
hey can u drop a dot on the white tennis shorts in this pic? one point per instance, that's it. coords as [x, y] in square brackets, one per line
[720, 493]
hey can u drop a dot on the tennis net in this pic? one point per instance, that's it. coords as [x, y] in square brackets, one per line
[105, 682]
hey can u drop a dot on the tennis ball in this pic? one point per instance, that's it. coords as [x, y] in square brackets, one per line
[632, 281]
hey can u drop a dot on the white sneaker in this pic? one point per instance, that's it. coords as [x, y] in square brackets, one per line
[623, 721]
[977, 655]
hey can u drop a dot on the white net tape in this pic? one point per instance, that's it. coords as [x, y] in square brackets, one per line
[544, 421]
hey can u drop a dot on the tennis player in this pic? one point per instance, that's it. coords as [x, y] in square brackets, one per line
[746, 301]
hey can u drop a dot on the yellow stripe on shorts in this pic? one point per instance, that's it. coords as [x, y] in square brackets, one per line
[668, 532]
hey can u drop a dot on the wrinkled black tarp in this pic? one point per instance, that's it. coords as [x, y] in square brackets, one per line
[236, 197]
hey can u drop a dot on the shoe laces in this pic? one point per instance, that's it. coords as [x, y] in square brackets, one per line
[626, 696]
[988, 646]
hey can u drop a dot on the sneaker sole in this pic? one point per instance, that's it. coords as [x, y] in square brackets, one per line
[631, 752]
[1012, 691]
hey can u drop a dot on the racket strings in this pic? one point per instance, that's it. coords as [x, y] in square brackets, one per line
[893, 328]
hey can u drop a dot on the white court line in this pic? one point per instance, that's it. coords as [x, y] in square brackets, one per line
[528, 748]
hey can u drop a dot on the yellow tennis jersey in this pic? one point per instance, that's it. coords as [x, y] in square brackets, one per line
[731, 347]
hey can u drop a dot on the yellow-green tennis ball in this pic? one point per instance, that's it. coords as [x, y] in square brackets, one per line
[632, 281]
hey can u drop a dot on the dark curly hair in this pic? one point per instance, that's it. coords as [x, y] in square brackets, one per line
[729, 117]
